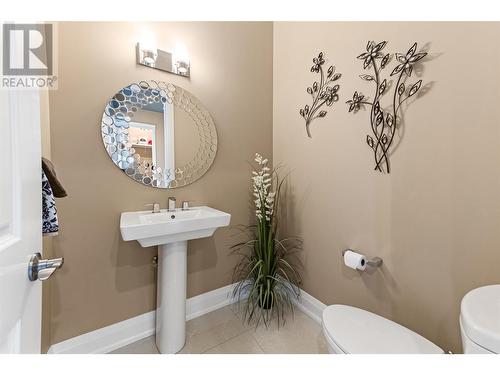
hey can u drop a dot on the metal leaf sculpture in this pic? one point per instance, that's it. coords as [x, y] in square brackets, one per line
[322, 92]
[384, 122]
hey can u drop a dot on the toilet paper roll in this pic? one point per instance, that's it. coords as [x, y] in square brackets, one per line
[354, 260]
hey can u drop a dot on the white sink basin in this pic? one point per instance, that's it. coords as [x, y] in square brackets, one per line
[152, 229]
[170, 231]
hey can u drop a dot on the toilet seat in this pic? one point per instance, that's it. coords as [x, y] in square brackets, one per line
[357, 331]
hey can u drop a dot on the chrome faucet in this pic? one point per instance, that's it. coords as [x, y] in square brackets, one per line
[156, 207]
[171, 204]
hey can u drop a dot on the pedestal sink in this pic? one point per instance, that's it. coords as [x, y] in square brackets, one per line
[170, 231]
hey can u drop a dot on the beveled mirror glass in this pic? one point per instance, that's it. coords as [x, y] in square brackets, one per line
[159, 134]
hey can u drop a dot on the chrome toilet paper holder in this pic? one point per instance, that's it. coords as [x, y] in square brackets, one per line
[371, 262]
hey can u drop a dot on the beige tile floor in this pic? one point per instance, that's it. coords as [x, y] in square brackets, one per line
[224, 332]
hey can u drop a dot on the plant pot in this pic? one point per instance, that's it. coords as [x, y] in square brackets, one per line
[266, 304]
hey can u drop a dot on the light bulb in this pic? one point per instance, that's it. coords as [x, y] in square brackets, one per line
[181, 53]
[147, 48]
[180, 58]
[148, 41]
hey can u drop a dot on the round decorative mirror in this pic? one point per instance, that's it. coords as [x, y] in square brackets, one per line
[159, 134]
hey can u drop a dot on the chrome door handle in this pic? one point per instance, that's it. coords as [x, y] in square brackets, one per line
[42, 269]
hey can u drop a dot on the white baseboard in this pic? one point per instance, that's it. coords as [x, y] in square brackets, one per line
[115, 336]
[120, 334]
[204, 303]
[109, 338]
[310, 306]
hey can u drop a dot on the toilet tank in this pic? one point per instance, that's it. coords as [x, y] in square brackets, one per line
[469, 346]
[479, 320]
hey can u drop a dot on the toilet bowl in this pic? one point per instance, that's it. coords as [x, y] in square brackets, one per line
[349, 330]
[480, 320]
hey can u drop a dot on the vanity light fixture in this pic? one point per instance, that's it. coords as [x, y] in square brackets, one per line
[176, 62]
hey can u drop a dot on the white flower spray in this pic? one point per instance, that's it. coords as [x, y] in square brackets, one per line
[268, 282]
[262, 184]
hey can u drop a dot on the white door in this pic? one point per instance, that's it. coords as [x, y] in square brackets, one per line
[20, 220]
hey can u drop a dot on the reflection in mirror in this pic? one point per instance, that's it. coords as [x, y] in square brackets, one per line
[142, 136]
[159, 134]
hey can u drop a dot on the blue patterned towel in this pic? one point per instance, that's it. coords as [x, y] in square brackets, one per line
[50, 225]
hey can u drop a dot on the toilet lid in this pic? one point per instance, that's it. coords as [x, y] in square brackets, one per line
[361, 332]
[480, 316]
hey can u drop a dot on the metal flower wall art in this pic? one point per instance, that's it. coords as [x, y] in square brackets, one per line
[323, 91]
[384, 122]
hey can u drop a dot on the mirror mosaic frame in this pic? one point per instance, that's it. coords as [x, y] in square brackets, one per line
[119, 112]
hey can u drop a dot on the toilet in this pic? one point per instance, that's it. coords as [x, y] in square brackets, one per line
[480, 320]
[349, 330]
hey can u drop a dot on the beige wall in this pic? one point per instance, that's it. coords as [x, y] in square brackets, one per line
[105, 280]
[435, 219]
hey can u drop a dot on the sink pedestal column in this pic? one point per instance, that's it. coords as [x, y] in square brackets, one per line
[171, 297]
